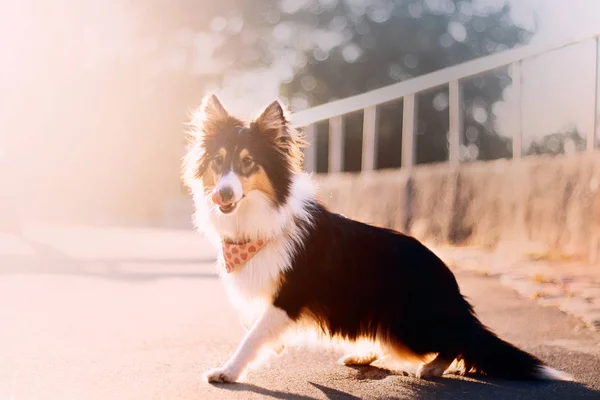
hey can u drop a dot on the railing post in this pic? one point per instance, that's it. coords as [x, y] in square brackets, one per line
[595, 132]
[310, 152]
[409, 130]
[370, 138]
[336, 144]
[456, 125]
[517, 103]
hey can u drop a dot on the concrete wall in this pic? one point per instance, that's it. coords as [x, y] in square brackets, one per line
[548, 203]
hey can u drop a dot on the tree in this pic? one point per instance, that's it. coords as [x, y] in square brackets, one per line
[108, 77]
[566, 141]
[339, 48]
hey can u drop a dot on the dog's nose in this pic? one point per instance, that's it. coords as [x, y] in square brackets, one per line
[226, 194]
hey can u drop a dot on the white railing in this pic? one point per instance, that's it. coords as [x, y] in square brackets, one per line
[407, 90]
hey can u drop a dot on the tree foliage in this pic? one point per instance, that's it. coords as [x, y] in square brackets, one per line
[339, 48]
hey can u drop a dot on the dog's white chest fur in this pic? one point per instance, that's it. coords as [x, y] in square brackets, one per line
[259, 278]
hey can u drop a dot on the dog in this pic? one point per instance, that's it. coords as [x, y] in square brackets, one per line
[300, 264]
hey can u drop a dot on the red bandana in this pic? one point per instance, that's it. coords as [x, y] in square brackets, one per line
[237, 255]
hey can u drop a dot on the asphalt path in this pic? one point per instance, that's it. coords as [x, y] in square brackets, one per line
[139, 314]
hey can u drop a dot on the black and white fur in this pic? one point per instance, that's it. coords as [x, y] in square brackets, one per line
[344, 278]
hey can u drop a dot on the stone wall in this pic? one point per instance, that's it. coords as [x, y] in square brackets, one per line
[537, 202]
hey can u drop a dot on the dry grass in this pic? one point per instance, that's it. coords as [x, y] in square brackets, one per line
[540, 278]
[554, 255]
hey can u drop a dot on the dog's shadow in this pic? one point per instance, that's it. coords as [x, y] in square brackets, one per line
[330, 393]
[448, 387]
[373, 373]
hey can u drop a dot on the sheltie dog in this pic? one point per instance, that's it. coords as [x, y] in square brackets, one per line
[307, 266]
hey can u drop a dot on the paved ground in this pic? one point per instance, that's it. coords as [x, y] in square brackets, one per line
[139, 314]
[553, 280]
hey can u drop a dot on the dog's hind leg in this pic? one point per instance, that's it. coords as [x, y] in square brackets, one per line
[437, 366]
[359, 359]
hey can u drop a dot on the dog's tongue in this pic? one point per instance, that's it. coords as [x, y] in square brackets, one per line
[217, 199]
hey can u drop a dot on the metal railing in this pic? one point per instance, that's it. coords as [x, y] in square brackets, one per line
[407, 90]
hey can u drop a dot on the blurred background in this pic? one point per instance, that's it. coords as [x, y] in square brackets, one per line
[106, 292]
[95, 95]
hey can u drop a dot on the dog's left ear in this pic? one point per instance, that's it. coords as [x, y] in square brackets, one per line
[273, 120]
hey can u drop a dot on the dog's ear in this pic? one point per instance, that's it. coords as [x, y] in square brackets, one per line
[273, 120]
[210, 115]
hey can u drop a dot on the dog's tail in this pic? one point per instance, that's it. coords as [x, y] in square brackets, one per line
[486, 353]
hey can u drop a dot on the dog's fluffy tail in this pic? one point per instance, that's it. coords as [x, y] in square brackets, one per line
[486, 353]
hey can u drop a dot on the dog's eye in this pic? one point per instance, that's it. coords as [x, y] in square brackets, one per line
[247, 161]
[218, 160]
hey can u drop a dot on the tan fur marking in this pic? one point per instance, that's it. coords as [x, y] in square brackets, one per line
[256, 181]
[210, 177]
[259, 181]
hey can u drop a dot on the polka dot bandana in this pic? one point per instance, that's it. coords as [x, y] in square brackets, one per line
[237, 255]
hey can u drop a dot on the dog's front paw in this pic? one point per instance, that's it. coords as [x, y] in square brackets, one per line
[221, 375]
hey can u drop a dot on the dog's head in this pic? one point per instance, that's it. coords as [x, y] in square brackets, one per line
[234, 161]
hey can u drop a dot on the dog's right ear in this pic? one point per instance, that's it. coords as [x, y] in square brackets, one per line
[209, 116]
